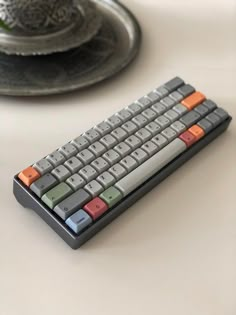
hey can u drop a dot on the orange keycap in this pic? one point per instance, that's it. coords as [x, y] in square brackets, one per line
[197, 132]
[28, 176]
[193, 100]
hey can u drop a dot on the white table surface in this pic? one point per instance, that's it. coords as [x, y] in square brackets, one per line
[174, 251]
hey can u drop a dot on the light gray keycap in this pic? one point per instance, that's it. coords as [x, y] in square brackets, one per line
[103, 128]
[202, 110]
[43, 166]
[92, 135]
[154, 97]
[43, 184]
[159, 108]
[214, 119]
[61, 173]
[94, 188]
[86, 156]
[134, 108]
[160, 141]
[72, 203]
[100, 165]
[140, 155]
[162, 91]
[168, 102]
[176, 96]
[169, 134]
[106, 180]
[111, 157]
[134, 142]
[171, 115]
[163, 122]
[117, 171]
[174, 84]
[76, 182]
[68, 150]
[80, 143]
[153, 127]
[97, 148]
[210, 105]
[150, 148]
[146, 170]
[122, 149]
[129, 127]
[88, 173]
[149, 114]
[190, 118]
[180, 109]
[56, 158]
[221, 113]
[143, 134]
[186, 90]
[205, 125]
[145, 102]
[129, 163]
[178, 127]
[108, 141]
[124, 115]
[73, 164]
[119, 134]
[114, 121]
[140, 120]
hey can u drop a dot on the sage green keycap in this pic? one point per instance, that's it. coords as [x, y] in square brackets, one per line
[56, 195]
[111, 196]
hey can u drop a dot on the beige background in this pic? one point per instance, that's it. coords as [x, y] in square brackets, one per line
[174, 251]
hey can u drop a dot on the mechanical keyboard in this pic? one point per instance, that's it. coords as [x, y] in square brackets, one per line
[82, 186]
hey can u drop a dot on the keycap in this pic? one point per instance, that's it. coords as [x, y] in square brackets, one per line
[80, 143]
[29, 175]
[56, 194]
[73, 164]
[180, 109]
[97, 148]
[193, 100]
[160, 141]
[43, 166]
[103, 128]
[68, 150]
[197, 131]
[134, 108]
[150, 148]
[202, 110]
[100, 165]
[186, 90]
[111, 196]
[139, 155]
[145, 102]
[140, 120]
[96, 208]
[171, 115]
[188, 138]
[176, 96]
[149, 114]
[108, 141]
[178, 127]
[153, 128]
[221, 113]
[129, 163]
[159, 108]
[163, 122]
[76, 182]
[190, 118]
[119, 134]
[213, 119]
[174, 84]
[91, 135]
[129, 127]
[106, 179]
[143, 134]
[133, 142]
[210, 105]
[56, 158]
[169, 134]
[205, 125]
[93, 188]
[79, 221]
[122, 149]
[124, 115]
[117, 171]
[114, 121]
[154, 97]
[162, 91]
[86, 156]
[88, 173]
[61, 173]
[43, 184]
[168, 102]
[111, 157]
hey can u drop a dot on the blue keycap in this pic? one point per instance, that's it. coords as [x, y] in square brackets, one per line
[79, 221]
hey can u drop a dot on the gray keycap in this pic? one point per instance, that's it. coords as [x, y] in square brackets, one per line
[80, 143]
[97, 148]
[129, 127]
[202, 110]
[134, 108]
[176, 96]
[43, 166]
[150, 148]
[140, 155]
[143, 134]
[73, 164]
[153, 127]
[221, 113]
[168, 102]
[122, 149]
[163, 122]
[61, 173]
[100, 165]
[205, 125]
[94, 188]
[169, 134]
[86, 156]
[124, 115]
[88, 173]
[142, 173]
[178, 127]
[190, 118]
[160, 141]
[68, 150]
[162, 91]
[145, 102]
[159, 108]
[154, 97]
[111, 157]
[72, 203]
[119, 134]
[92, 135]
[103, 128]
[117, 171]
[43, 184]
[149, 114]
[56, 158]
[76, 182]
[174, 84]
[171, 115]
[214, 119]
[186, 90]
[106, 180]
[180, 109]
[134, 142]
[210, 105]
[108, 141]
[129, 163]
[114, 121]
[140, 120]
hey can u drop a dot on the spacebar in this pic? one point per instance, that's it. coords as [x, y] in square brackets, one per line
[146, 170]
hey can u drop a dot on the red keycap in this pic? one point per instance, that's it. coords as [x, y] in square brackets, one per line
[188, 138]
[96, 208]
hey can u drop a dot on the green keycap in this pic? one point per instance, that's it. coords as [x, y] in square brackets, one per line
[111, 196]
[56, 195]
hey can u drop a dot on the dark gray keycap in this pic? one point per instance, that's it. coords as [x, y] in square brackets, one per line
[221, 113]
[210, 105]
[145, 102]
[56, 158]
[162, 91]
[214, 119]
[174, 84]
[176, 96]
[61, 173]
[202, 110]
[190, 118]
[80, 143]
[71, 204]
[73, 164]
[68, 150]
[140, 155]
[154, 97]
[94, 188]
[43, 166]
[205, 125]
[43, 184]
[186, 90]
[159, 108]
[76, 182]
[168, 102]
